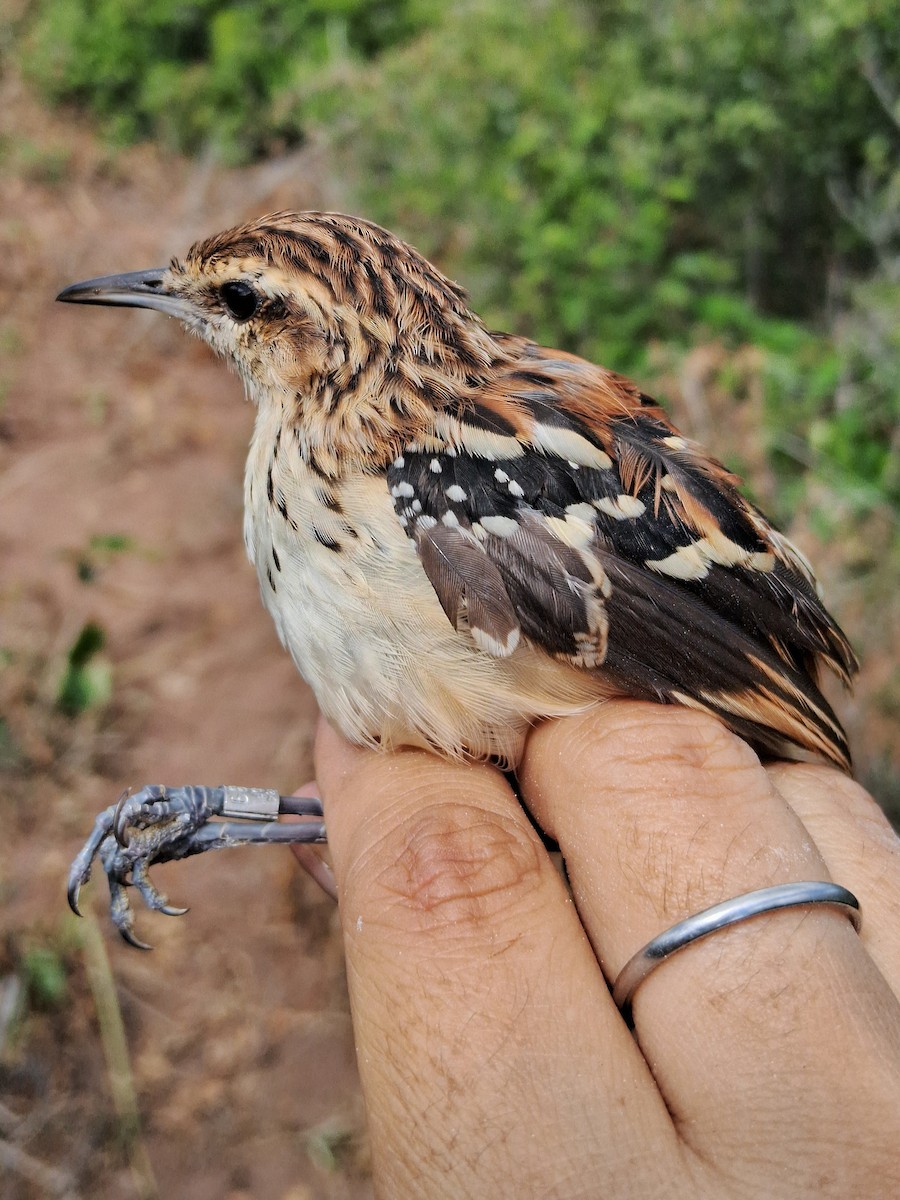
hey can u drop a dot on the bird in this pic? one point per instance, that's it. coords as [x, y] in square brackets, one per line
[459, 532]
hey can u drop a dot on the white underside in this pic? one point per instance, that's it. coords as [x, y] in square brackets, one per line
[365, 628]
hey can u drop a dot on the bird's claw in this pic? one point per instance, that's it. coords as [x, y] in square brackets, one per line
[152, 825]
[160, 824]
[120, 817]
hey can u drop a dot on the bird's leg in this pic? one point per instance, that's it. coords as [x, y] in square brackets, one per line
[160, 824]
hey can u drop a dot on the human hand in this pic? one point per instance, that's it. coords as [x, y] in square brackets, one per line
[765, 1059]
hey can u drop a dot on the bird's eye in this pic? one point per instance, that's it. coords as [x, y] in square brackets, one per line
[240, 299]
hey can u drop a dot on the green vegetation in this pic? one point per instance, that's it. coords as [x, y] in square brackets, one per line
[202, 72]
[612, 177]
[87, 679]
[45, 975]
[40, 164]
[330, 1145]
[10, 755]
[102, 548]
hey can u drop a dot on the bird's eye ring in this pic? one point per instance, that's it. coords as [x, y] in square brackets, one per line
[241, 300]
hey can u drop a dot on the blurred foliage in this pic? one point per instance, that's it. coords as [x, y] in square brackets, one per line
[10, 755]
[44, 970]
[199, 73]
[87, 679]
[603, 174]
[330, 1145]
[607, 176]
[39, 164]
[102, 548]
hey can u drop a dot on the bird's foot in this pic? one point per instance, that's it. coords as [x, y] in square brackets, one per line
[160, 824]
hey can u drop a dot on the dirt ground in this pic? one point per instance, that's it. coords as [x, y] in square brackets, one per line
[121, 453]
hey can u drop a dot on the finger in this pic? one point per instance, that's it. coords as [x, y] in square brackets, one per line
[480, 1017]
[859, 847]
[661, 813]
[308, 855]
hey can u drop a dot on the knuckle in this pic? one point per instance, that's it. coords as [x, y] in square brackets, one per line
[692, 802]
[824, 789]
[451, 864]
[682, 744]
[850, 795]
[847, 824]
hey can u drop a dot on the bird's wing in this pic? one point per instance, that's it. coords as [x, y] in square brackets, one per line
[562, 506]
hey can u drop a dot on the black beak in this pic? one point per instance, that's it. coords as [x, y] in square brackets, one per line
[135, 289]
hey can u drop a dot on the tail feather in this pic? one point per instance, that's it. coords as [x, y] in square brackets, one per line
[667, 645]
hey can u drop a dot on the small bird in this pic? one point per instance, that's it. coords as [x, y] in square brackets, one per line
[459, 532]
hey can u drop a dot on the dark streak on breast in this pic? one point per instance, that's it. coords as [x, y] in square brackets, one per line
[324, 540]
[282, 508]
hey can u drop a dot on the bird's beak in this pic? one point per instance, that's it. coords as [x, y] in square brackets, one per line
[135, 289]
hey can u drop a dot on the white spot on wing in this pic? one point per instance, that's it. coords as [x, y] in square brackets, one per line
[584, 511]
[571, 446]
[450, 519]
[515, 489]
[402, 489]
[454, 493]
[481, 443]
[630, 505]
[572, 530]
[622, 508]
[435, 465]
[762, 560]
[500, 526]
[722, 550]
[493, 645]
[687, 562]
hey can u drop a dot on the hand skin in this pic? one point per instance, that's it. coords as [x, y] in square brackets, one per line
[765, 1059]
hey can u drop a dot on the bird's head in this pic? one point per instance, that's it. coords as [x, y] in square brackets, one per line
[351, 332]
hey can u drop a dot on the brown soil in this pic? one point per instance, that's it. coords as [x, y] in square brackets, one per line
[114, 425]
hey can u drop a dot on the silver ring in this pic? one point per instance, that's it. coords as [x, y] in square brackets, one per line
[741, 908]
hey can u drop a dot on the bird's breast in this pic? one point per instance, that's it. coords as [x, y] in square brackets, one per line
[353, 605]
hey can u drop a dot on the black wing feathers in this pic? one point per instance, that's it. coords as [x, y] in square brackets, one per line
[664, 646]
[469, 587]
[654, 569]
[552, 590]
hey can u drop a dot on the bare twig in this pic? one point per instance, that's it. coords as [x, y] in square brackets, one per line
[11, 992]
[50, 1180]
[115, 1051]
